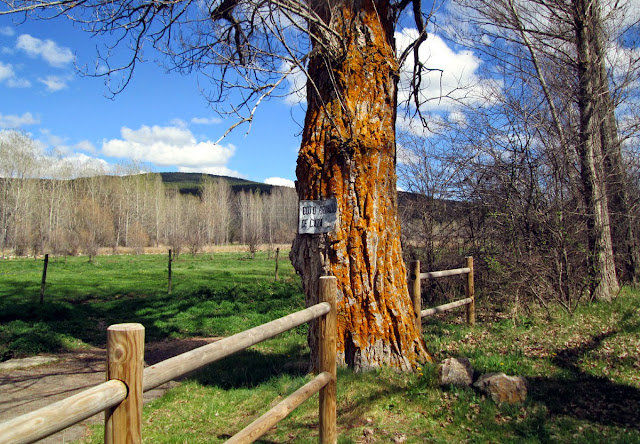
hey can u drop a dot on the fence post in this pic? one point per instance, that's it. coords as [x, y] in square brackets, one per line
[416, 295]
[125, 362]
[328, 351]
[44, 278]
[277, 259]
[169, 283]
[471, 307]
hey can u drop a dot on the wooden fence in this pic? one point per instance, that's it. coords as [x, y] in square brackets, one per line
[121, 395]
[415, 278]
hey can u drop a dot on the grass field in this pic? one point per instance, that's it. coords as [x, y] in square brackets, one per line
[583, 370]
[212, 295]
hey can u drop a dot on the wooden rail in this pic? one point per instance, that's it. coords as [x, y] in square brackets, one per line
[416, 276]
[444, 273]
[121, 395]
[444, 307]
[62, 414]
[179, 365]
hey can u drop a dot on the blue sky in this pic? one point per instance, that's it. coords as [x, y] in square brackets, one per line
[160, 119]
[42, 93]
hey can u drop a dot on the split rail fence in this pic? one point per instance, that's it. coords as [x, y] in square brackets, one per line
[120, 397]
[415, 280]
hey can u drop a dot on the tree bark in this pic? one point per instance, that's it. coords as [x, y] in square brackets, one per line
[625, 244]
[348, 152]
[602, 274]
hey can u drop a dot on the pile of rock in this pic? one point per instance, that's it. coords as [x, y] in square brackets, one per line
[500, 387]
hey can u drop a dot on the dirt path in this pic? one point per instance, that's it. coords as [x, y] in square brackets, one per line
[24, 390]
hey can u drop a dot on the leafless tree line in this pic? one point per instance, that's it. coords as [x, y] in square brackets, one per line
[544, 171]
[70, 216]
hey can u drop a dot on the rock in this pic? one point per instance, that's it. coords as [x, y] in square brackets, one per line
[455, 371]
[502, 388]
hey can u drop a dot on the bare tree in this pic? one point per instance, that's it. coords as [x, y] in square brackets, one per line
[93, 227]
[283, 214]
[251, 211]
[195, 224]
[19, 166]
[347, 51]
[556, 50]
[174, 226]
[216, 198]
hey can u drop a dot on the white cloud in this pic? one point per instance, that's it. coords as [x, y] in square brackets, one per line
[49, 50]
[86, 146]
[18, 83]
[77, 165]
[54, 83]
[8, 75]
[15, 121]
[7, 31]
[217, 171]
[206, 120]
[6, 71]
[414, 125]
[280, 182]
[296, 81]
[170, 146]
[179, 123]
[406, 156]
[52, 139]
[455, 78]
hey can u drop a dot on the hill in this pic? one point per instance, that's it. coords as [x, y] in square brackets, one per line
[412, 204]
[190, 183]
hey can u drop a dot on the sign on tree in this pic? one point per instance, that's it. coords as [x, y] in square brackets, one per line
[317, 216]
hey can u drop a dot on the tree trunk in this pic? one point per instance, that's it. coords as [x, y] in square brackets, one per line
[602, 274]
[348, 152]
[625, 245]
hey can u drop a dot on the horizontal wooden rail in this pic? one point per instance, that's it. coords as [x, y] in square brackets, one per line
[263, 424]
[415, 288]
[180, 365]
[444, 273]
[62, 414]
[445, 307]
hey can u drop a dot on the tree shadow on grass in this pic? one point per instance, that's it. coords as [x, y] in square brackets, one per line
[251, 368]
[198, 312]
[587, 397]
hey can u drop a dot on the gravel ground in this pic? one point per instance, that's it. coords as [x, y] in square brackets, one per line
[29, 384]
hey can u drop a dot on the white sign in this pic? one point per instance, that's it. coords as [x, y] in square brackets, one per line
[317, 216]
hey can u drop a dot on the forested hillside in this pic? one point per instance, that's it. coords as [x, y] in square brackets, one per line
[178, 210]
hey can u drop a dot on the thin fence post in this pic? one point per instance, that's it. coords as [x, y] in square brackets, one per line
[125, 362]
[416, 295]
[44, 278]
[328, 351]
[277, 259]
[169, 285]
[470, 290]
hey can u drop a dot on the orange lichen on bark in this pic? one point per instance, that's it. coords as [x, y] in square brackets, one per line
[348, 152]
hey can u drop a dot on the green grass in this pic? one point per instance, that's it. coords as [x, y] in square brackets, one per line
[211, 296]
[582, 372]
[583, 369]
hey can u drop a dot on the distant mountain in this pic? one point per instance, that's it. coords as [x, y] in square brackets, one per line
[191, 183]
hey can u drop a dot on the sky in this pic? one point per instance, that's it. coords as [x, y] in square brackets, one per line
[161, 120]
